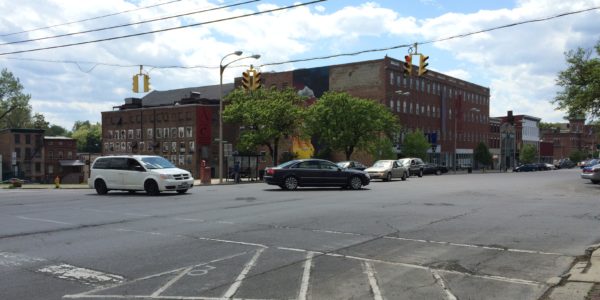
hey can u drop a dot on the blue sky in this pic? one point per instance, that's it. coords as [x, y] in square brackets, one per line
[518, 64]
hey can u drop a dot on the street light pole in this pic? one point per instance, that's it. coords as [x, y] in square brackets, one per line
[221, 70]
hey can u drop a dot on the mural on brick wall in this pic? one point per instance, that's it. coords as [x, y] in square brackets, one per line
[310, 83]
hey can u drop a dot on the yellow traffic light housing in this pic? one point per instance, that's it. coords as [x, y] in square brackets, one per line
[146, 83]
[251, 79]
[136, 87]
[407, 66]
[423, 64]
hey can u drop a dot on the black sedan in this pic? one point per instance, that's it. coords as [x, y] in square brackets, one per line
[436, 169]
[316, 173]
[526, 168]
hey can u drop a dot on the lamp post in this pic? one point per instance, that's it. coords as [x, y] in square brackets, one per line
[221, 70]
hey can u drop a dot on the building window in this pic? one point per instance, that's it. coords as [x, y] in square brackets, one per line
[69, 155]
[17, 138]
[405, 106]
[392, 105]
[27, 153]
[417, 108]
[392, 78]
[50, 155]
[28, 139]
[38, 167]
[50, 169]
[60, 154]
[138, 134]
[398, 105]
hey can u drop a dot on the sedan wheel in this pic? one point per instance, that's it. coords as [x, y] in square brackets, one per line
[388, 177]
[404, 176]
[420, 173]
[595, 181]
[291, 183]
[438, 172]
[356, 183]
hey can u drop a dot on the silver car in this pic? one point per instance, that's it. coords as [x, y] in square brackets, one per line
[592, 173]
[386, 170]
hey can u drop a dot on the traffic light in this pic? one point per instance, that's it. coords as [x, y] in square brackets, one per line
[136, 88]
[251, 80]
[423, 64]
[407, 65]
[146, 83]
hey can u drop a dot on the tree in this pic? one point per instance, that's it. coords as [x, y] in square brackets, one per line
[577, 156]
[482, 155]
[266, 116]
[382, 149]
[415, 145]
[545, 125]
[528, 154]
[38, 121]
[15, 111]
[88, 137]
[580, 83]
[55, 130]
[345, 123]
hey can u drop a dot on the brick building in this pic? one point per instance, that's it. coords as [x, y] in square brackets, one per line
[60, 159]
[522, 130]
[572, 136]
[180, 125]
[22, 153]
[454, 111]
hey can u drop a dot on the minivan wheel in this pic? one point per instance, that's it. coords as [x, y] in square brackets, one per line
[420, 173]
[291, 183]
[151, 188]
[100, 187]
[355, 183]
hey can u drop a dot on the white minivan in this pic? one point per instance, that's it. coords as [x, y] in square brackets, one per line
[152, 174]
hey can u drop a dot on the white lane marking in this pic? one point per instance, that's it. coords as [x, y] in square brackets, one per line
[226, 241]
[190, 268]
[83, 275]
[44, 220]
[238, 281]
[413, 266]
[440, 281]
[372, 281]
[191, 220]
[474, 246]
[8, 259]
[306, 276]
[336, 232]
[116, 212]
[112, 286]
[138, 231]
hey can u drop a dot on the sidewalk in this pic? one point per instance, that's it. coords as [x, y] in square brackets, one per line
[582, 282]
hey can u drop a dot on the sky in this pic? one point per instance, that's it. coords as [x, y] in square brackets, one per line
[519, 64]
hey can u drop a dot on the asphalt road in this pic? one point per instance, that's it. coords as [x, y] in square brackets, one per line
[471, 236]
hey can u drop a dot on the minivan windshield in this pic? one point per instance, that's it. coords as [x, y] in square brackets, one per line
[404, 162]
[157, 162]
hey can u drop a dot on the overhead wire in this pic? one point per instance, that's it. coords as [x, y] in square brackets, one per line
[361, 51]
[165, 29]
[90, 19]
[129, 24]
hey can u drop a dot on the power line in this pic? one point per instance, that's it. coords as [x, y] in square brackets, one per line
[89, 19]
[166, 29]
[129, 24]
[344, 54]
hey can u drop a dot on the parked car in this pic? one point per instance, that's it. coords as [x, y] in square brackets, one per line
[350, 164]
[526, 168]
[431, 168]
[152, 174]
[564, 163]
[550, 166]
[589, 163]
[386, 170]
[414, 165]
[542, 167]
[592, 173]
[314, 172]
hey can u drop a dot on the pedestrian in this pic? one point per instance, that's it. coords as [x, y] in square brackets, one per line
[236, 171]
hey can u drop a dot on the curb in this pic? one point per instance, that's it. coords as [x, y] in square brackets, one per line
[581, 282]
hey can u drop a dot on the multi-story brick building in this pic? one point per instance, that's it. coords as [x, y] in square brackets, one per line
[180, 125]
[22, 153]
[572, 136]
[516, 131]
[60, 159]
[454, 111]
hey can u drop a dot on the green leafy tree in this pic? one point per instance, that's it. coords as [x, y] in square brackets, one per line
[528, 154]
[345, 123]
[88, 137]
[38, 121]
[415, 145]
[545, 125]
[580, 83]
[266, 115]
[55, 130]
[382, 149]
[15, 111]
[482, 155]
[577, 156]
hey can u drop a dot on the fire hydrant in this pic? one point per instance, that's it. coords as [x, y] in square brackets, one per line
[57, 182]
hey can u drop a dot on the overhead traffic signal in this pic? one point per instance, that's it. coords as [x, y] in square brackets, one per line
[251, 80]
[136, 87]
[423, 64]
[146, 83]
[407, 65]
